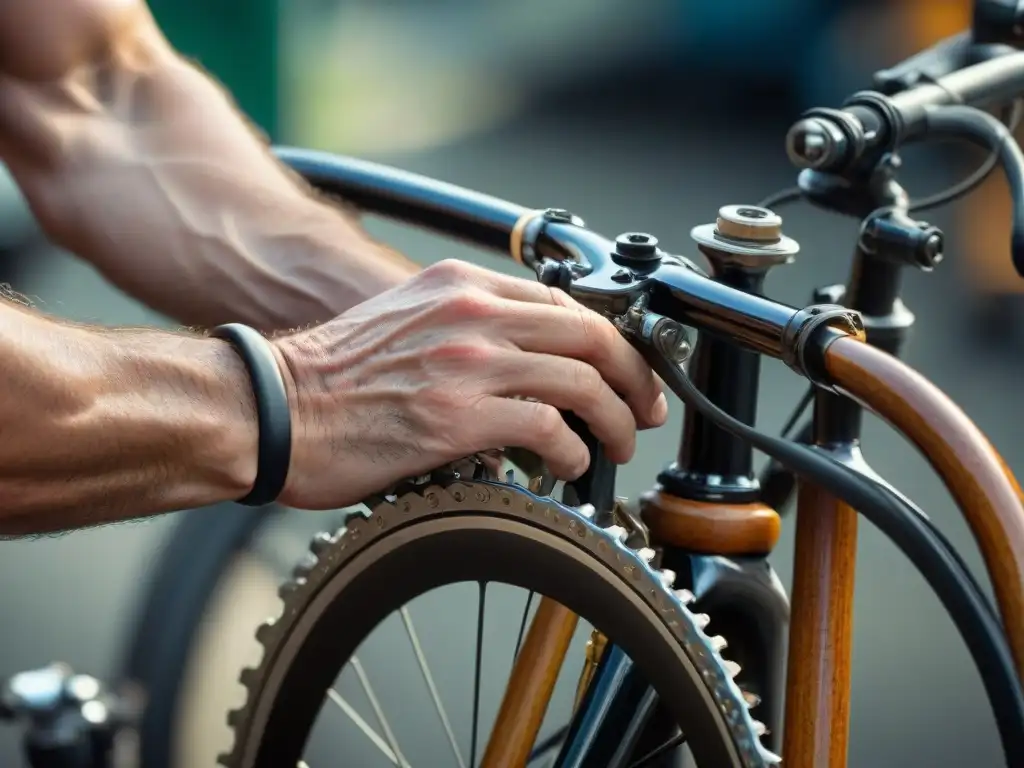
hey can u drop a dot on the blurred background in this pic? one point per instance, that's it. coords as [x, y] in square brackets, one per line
[637, 116]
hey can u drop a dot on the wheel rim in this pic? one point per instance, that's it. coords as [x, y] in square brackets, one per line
[307, 648]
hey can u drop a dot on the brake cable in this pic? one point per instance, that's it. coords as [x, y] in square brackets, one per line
[967, 185]
[908, 529]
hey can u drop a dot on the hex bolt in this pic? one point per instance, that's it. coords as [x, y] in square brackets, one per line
[637, 247]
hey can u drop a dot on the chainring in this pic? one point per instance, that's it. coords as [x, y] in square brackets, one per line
[446, 492]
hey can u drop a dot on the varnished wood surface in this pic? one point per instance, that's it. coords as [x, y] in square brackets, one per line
[817, 722]
[699, 526]
[979, 480]
[530, 686]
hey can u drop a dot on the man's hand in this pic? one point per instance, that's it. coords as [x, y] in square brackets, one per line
[426, 373]
[107, 424]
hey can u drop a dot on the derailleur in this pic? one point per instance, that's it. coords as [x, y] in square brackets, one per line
[71, 720]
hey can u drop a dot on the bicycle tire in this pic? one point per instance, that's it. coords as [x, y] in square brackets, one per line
[171, 610]
[483, 531]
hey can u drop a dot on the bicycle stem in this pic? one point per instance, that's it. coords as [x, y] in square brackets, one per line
[888, 242]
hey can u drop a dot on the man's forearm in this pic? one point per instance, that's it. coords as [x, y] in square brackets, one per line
[141, 164]
[99, 426]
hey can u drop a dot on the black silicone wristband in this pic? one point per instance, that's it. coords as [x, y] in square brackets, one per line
[272, 411]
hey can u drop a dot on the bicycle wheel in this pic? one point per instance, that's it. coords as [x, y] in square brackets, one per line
[211, 585]
[187, 576]
[434, 534]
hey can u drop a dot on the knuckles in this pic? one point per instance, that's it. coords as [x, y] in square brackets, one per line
[546, 423]
[449, 272]
[438, 403]
[469, 305]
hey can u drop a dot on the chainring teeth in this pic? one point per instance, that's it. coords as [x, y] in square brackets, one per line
[328, 551]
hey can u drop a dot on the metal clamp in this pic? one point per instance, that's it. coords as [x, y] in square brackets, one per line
[802, 327]
[529, 228]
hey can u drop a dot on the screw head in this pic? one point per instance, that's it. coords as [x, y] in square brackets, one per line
[637, 245]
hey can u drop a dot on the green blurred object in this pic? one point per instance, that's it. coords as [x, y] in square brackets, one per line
[236, 41]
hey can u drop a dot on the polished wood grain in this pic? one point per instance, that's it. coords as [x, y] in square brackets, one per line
[979, 480]
[821, 632]
[700, 526]
[530, 686]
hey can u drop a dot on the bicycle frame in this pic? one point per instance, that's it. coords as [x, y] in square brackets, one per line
[711, 537]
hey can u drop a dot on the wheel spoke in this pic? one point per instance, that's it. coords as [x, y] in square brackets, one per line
[551, 743]
[364, 681]
[429, 679]
[522, 625]
[362, 725]
[674, 743]
[476, 685]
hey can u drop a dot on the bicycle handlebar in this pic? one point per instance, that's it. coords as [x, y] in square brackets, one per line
[453, 211]
[870, 123]
[850, 140]
[677, 288]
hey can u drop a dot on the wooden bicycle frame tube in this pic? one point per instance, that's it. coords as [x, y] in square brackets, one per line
[530, 686]
[976, 476]
[817, 720]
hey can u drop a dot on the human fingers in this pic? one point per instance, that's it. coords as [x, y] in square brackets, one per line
[547, 320]
[536, 426]
[579, 333]
[570, 385]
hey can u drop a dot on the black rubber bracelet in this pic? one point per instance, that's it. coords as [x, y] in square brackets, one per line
[272, 411]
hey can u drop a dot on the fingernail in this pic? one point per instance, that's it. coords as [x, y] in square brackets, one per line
[659, 413]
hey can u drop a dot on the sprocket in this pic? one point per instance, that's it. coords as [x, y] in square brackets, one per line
[444, 492]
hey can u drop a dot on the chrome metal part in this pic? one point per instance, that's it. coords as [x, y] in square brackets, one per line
[745, 236]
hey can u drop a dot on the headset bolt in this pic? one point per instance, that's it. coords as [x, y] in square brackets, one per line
[748, 222]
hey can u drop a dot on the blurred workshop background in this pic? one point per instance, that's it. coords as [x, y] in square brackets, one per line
[638, 116]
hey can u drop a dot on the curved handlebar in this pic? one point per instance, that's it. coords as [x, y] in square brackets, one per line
[852, 139]
[986, 131]
[980, 482]
[454, 211]
[685, 295]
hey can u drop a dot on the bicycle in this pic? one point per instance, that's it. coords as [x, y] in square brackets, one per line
[698, 544]
[706, 505]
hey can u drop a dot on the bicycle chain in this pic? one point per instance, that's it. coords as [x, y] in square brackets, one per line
[444, 492]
